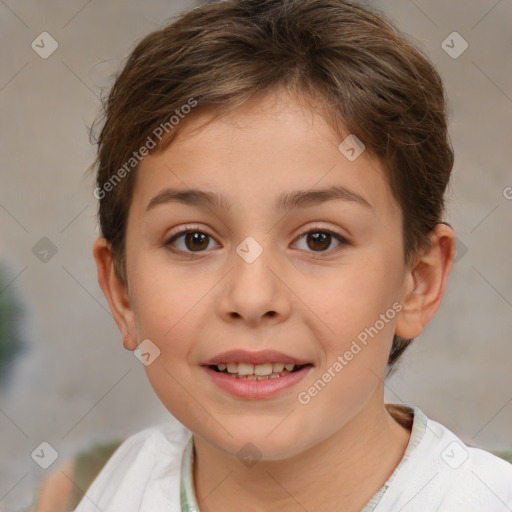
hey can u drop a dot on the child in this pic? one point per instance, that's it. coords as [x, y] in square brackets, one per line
[302, 146]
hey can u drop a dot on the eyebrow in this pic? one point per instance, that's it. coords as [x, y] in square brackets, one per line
[286, 201]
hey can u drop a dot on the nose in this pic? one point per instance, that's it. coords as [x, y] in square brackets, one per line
[253, 291]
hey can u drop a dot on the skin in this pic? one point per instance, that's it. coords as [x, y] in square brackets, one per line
[342, 446]
[56, 490]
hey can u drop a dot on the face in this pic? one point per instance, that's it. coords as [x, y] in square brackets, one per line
[266, 269]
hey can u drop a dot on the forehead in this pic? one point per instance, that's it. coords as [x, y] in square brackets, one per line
[258, 154]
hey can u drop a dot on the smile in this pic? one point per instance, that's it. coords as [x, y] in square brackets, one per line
[256, 371]
[243, 380]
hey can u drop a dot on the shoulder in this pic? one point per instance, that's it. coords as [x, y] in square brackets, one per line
[484, 481]
[148, 461]
[456, 454]
[151, 447]
[469, 478]
[440, 472]
[164, 439]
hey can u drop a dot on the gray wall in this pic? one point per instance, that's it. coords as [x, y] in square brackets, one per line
[71, 385]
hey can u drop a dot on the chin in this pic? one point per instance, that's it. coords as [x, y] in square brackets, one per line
[257, 444]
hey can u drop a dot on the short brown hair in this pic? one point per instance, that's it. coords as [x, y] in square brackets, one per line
[376, 85]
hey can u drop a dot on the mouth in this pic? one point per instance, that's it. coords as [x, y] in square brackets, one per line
[256, 375]
[244, 381]
[262, 371]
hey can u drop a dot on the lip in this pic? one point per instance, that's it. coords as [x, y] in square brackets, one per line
[256, 389]
[260, 357]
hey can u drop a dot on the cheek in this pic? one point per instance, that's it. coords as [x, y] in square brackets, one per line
[162, 300]
[169, 311]
[166, 315]
[353, 315]
[351, 298]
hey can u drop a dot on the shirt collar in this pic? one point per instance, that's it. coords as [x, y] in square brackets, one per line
[419, 424]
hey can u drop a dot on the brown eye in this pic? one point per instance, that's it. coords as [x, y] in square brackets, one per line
[196, 241]
[320, 240]
[192, 241]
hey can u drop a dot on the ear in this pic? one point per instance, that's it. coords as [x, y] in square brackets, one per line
[425, 283]
[116, 293]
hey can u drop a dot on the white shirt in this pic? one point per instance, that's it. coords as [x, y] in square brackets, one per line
[152, 472]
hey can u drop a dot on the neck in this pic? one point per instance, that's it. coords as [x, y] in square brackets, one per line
[349, 467]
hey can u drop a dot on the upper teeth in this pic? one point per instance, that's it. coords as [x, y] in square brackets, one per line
[255, 369]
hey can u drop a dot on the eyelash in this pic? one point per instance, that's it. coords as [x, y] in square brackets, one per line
[314, 229]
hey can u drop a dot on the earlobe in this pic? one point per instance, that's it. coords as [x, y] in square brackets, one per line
[426, 282]
[115, 292]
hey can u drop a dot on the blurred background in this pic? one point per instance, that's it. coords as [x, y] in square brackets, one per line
[66, 379]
